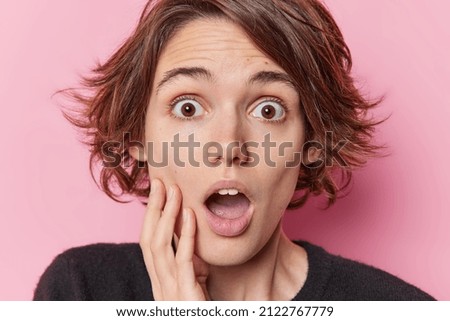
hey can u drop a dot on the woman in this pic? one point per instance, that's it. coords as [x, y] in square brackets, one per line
[221, 110]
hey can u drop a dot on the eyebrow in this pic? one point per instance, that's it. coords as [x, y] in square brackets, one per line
[266, 77]
[261, 77]
[192, 72]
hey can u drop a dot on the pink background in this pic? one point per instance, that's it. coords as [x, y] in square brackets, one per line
[396, 217]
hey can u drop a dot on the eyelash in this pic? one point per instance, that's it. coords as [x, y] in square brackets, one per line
[282, 104]
[267, 99]
[177, 100]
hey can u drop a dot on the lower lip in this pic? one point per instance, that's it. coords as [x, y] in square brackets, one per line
[227, 227]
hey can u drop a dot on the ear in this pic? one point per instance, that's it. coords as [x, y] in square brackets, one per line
[138, 152]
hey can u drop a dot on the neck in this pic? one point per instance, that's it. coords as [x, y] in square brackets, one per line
[277, 272]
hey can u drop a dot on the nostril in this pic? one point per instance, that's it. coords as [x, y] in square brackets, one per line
[233, 152]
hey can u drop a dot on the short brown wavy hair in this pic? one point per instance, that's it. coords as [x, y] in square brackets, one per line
[299, 35]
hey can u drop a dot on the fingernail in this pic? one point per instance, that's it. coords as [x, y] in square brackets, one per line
[185, 215]
[171, 191]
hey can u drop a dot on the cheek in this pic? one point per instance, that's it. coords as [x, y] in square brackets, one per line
[288, 146]
[282, 187]
[281, 174]
[159, 136]
[172, 165]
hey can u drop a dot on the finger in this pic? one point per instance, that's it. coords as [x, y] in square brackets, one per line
[153, 212]
[161, 246]
[185, 251]
[151, 218]
[166, 225]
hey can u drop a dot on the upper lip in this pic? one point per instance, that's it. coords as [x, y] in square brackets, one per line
[214, 188]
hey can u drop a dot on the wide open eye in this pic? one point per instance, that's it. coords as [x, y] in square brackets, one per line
[186, 108]
[269, 110]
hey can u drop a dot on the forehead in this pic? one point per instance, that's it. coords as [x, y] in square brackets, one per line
[214, 42]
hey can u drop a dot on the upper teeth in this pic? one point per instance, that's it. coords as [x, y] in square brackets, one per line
[229, 191]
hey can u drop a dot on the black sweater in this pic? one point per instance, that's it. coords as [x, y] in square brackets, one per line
[117, 272]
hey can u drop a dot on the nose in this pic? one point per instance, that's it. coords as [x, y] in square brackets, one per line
[228, 139]
[231, 153]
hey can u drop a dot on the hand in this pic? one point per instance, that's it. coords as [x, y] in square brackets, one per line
[174, 276]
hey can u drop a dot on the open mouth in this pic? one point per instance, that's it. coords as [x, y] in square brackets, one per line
[228, 211]
[228, 203]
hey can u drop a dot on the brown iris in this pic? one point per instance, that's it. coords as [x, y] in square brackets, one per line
[268, 111]
[188, 109]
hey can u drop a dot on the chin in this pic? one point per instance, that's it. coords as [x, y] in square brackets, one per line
[223, 259]
[226, 251]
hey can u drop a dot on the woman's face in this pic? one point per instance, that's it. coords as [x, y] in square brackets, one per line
[213, 91]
